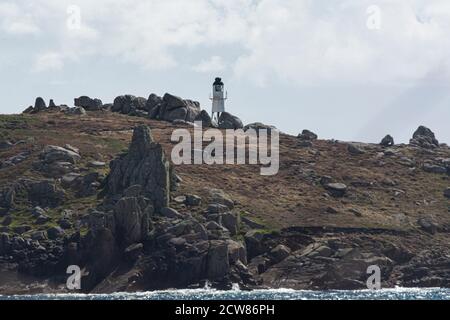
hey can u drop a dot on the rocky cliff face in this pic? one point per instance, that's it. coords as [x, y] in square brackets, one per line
[144, 166]
[166, 248]
[139, 224]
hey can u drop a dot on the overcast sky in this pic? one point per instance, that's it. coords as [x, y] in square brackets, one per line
[349, 70]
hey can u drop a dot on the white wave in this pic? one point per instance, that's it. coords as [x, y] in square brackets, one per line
[208, 293]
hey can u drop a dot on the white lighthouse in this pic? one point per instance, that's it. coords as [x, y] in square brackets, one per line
[218, 99]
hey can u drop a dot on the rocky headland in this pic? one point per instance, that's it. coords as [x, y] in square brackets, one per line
[94, 186]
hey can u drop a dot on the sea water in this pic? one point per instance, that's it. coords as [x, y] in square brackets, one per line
[278, 294]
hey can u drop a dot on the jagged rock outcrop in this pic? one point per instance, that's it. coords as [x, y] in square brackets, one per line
[131, 221]
[217, 263]
[172, 108]
[152, 105]
[44, 193]
[77, 111]
[145, 165]
[387, 141]
[257, 126]
[205, 118]
[88, 103]
[229, 121]
[39, 105]
[307, 135]
[83, 185]
[28, 110]
[129, 104]
[56, 161]
[52, 154]
[423, 137]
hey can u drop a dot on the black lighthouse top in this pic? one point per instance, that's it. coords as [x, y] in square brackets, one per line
[218, 82]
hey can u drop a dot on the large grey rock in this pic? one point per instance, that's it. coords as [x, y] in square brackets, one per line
[387, 141]
[215, 208]
[88, 103]
[28, 110]
[144, 164]
[236, 252]
[336, 189]
[253, 243]
[447, 193]
[77, 111]
[55, 169]
[96, 164]
[423, 137]
[432, 168]
[52, 154]
[307, 135]
[173, 102]
[175, 108]
[42, 219]
[170, 213]
[205, 118]
[39, 105]
[102, 253]
[131, 222]
[153, 101]
[229, 121]
[355, 149]
[218, 265]
[192, 200]
[86, 185]
[279, 253]
[220, 197]
[5, 243]
[54, 233]
[258, 126]
[45, 193]
[231, 222]
[37, 212]
[129, 104]
[428, 225]
[212, 225]
[188, 227]
[172, 108]
[38, 235]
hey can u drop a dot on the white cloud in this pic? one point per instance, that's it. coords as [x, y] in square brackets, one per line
[302, 42]
[213, 64]
[49, 61]
[13, 21]
[307, 43]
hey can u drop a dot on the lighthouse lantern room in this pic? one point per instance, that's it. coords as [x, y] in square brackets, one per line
[218, 99]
